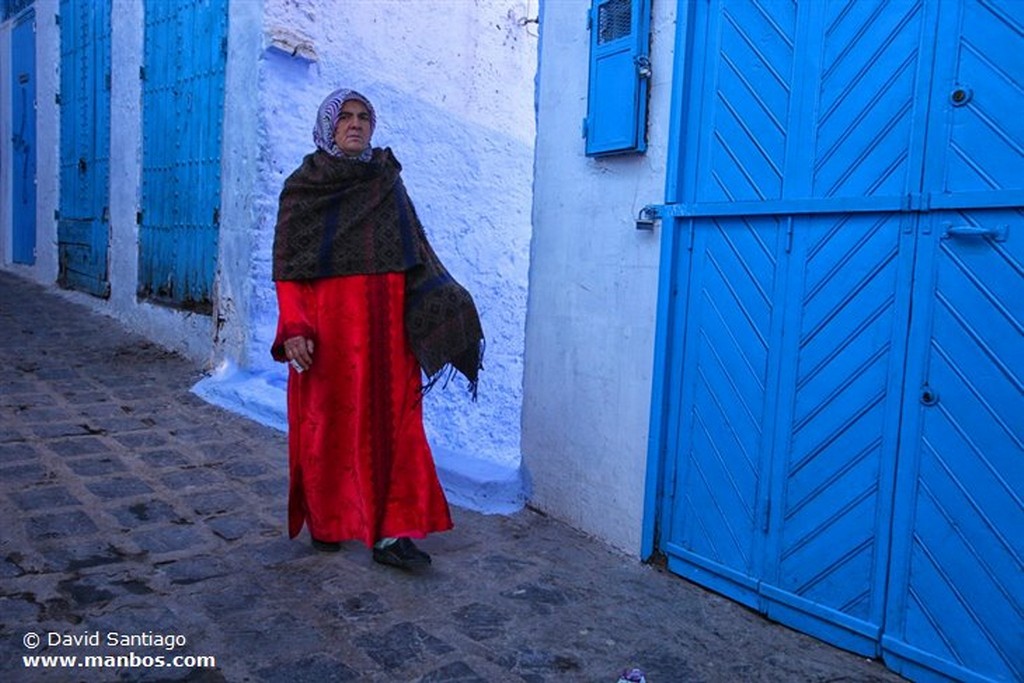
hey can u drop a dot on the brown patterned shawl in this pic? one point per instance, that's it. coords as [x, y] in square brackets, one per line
[341, 216]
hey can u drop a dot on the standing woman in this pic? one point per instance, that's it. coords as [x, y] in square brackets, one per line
[364, 305]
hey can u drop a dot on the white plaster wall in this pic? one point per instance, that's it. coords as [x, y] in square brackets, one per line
[47, 138]
[240, 168]
[452, 84]
[593, 292]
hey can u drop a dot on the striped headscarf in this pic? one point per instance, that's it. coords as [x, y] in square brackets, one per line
[327, 121]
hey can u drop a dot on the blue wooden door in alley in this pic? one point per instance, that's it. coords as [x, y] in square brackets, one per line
[183, 101]
[842, 415]
[23, 120]
[958, 571]
[83, 229]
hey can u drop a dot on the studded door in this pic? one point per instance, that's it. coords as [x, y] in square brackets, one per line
[83, 228]
[183, 107]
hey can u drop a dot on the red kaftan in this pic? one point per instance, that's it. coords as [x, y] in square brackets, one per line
[359, 463]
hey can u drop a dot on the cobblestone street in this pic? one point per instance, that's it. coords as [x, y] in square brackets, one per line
[130, 506]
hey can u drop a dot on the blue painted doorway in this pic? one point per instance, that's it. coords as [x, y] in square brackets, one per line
[842, 327]
[23, 119]
[182, 114]
[83, 228]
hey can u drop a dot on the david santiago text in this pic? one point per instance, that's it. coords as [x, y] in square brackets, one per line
[166, 641]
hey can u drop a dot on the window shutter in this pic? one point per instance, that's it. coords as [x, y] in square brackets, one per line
[619, 71]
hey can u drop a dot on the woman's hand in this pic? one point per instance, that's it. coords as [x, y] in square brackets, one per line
[299, 352]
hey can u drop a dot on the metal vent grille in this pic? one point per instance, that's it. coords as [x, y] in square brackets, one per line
[613, 20]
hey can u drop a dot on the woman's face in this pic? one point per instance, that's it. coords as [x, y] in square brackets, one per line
[352, 134]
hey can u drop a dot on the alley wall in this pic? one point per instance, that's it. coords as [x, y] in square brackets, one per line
[593, 293]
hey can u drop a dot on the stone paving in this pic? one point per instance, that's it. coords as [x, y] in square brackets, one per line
[133, 508]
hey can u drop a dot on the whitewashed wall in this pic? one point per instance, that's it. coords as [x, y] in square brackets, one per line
[593, 292]
[453, 85]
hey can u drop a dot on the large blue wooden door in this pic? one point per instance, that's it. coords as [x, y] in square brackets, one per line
[83, 230]
[23, 119]
[183, 103]
[850, 187]
[796, 295]
[957, 582]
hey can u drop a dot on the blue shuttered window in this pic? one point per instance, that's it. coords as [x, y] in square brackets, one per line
[619, 72]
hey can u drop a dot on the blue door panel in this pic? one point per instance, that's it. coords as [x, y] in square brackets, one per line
[866, 101]
[183, 96]
[958, 575]
[983, 132]
[23, 111]
[731, 325]
[743, 117]
[83, 231]
[847, 302]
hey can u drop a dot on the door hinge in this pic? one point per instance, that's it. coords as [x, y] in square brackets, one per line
[590, 20]
[585, 127]
[216, 215]
[56, 19]
[142, 73]
[138, 218]
[56, 214]
[56, 98]
[106, 80]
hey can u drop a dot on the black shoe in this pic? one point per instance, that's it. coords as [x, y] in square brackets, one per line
[403, 554]
[326, 546]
